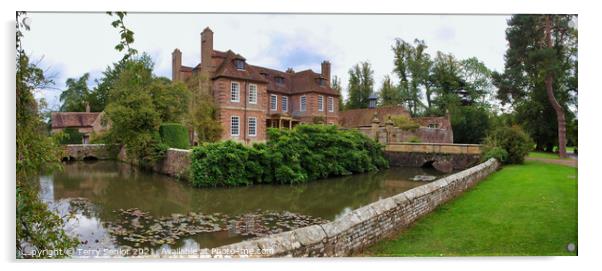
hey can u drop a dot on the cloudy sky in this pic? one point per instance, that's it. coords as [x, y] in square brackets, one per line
[71, 44]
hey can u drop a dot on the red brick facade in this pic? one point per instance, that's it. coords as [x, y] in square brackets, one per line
[262, 96]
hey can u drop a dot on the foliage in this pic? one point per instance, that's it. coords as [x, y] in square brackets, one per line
[169, 98]
[71, 136]
[495, 152]
[202, 117]
[75, 97]
[126, 35]
[134, 118]
[513, 140]
[174, 135]
[99, 98]
[470, 124]
[529, 60]
[36, 226]
[521, 210]
[360, 86]
[305, 153]
[404, 123]
[336, 85]
[220, 164]
[412, 66]
[388, 93]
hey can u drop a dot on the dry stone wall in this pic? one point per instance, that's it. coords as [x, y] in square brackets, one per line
[362, 227]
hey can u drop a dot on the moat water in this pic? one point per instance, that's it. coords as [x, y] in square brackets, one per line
[110, 205]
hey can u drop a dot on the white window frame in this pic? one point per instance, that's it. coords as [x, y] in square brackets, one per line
[303, 103]
[253, 94]
[284, 103]
[254, 119]
[232, 92]
[330, 104]
[273, 103]
[237, 126]
[320, 103]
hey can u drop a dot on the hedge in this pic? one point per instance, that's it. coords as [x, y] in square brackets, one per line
[174, 135]
[305, 153]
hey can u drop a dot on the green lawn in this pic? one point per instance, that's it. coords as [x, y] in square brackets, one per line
[545, 155]
[528, 209]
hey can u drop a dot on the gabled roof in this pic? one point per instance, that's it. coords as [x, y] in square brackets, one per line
[73, 119]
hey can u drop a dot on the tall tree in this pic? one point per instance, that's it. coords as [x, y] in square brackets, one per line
[446, 82]
[541, 70]
[77, 94]
[388, 93]
[336, 85]
[361, 84]
[412, 66]
[477, 78]
[37, 227]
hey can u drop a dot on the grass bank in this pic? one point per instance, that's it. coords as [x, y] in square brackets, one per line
[528, 209]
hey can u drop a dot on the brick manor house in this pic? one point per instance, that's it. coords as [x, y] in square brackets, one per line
[252, 98]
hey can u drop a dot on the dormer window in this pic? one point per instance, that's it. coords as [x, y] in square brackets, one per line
[239, 64]
[321, 81]
[279, 79]
[265, 75]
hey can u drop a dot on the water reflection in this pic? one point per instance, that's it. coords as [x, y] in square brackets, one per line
[91, 193]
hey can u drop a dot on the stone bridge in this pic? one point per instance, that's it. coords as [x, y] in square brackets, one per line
[444, 157]
[87, 152]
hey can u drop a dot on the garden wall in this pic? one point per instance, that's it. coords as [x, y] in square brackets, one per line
[176, 162]
[362, 227]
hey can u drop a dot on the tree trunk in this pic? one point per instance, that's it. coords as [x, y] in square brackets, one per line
[549, 80]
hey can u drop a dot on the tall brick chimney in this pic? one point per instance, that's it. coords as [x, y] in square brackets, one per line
[206, 50]
[176, 64]
[326, 71]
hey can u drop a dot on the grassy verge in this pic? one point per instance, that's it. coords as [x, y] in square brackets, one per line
[528, 209]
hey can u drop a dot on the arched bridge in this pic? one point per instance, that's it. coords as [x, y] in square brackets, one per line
[444, 157]
[78, 152]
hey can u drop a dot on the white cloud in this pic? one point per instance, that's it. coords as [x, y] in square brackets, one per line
[75, 43]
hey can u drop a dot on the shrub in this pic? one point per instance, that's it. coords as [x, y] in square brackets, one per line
[495, 152]
[513, 140]
[174, 135]
[71, 136]
[404, 123]
[305, 153]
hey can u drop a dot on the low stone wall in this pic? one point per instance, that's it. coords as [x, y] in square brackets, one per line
[362, 227]
[176, 162]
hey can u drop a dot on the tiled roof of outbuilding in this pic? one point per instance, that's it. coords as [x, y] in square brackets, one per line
[73, 119]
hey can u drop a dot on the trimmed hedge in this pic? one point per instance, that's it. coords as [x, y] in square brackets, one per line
[174, 135]
[305, 153]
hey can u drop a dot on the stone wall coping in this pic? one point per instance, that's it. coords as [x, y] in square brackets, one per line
[287, 243]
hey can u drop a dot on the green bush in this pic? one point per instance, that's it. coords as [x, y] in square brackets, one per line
[71, 136]
[305, 153]
[495, 152]
[174, 135]
[513, 140]
[404, 123]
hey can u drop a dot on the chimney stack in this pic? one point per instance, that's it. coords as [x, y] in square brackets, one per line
[326, 71]
[87, 107]
[206, 50]
[176, 65]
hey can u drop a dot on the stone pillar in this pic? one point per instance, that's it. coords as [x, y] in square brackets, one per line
[389, 129]
[375, 127]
